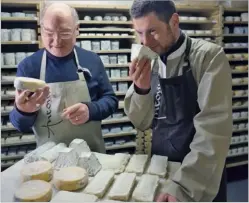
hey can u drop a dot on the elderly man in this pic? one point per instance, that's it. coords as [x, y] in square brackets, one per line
[79, 94]
[185, 99]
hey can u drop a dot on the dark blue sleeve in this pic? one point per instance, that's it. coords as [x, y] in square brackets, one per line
[107, 103]
[23, 122]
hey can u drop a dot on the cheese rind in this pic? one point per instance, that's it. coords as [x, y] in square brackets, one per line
[158, 166]
[27, 83]
[39, 170]
[146, 188]
[35, 154]
[122, 187]
[137, 164]
[70, 178]
[89, 161]
[80, 146]
[34, 191]
[100, 184]
[51, 154]
[65, 196]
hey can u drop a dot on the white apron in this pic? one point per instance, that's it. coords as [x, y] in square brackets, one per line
[49, 125]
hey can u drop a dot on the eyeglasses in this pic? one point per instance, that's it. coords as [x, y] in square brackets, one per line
[61, 35]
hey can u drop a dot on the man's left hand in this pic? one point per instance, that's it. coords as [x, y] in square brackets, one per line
[77, 114]
[166, 198]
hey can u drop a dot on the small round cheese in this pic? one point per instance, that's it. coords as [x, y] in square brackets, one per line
[26, 83]
[34, 191]
[70, 178]
[38, 170]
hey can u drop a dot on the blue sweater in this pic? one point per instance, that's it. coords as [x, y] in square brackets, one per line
[103, 100]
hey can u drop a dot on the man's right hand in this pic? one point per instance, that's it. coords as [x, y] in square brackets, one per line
[140, 73]
[30, 104]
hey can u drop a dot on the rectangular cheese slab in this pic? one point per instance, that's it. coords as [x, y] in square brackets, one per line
[137, 164]
[146, 188]
[158, 165]
[122, 187]
[100, 183]
[65, 196]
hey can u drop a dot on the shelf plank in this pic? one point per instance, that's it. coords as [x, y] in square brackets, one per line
[106, 37]
[10, 157]
[236, 155]
[8, 66]
[201, 35]
[19, 42]
[235, 22]
[7, 97]
[240, 107]
[25, 142]
[240, 119]
[123, 146]
[115, 121]
[234, 48]
[121, 79]
[243, 59]
[19, 19]
[236, 143]
[120, 93]
[108, 135]
[7, 82]
[240, 97]
[240, 163]
[8, 128]
[107, 29]
[229, 9]
[116, 65]
[197, 22]
[240, 130]
[238, 85]
[239, 72]
[105, 22]
[113, 51]
[235, 35]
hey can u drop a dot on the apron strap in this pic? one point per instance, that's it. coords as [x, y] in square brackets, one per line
[186, 57]
[43, 66]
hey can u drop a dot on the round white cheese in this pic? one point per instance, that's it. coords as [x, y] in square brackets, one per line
[70, 178]
[39, 170]
[34, 191]
[31, 84]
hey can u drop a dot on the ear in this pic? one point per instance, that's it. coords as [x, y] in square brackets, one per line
[77, 32]
[174, 21]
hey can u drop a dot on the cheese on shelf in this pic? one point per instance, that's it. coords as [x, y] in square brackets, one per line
[80, 146]
[89, 162]
[65, 196]
[137, 164]
[122, 187]
[26, 83]
[70, 178]
[39, 170]
[158, 165]
[35, 155]
[100, 183]
[34, 191]
[51, 154]
[146, 188]
[67, 157]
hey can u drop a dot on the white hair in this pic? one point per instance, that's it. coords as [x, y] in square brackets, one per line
[48, 4]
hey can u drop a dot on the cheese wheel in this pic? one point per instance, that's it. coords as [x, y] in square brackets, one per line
[26, 83]
[70, 178]
[34, 191]
[39, 170]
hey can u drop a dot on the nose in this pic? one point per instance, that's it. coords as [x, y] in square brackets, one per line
[146, 39]
[56, 40]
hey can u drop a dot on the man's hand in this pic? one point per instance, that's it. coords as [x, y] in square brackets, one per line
[140, 73]
[29, 104]
[166, 198]
[77, 114]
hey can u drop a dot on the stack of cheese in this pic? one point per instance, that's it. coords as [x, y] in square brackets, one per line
[143, 141]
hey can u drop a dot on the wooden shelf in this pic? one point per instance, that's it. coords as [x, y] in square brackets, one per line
[7, 97]
[18, 143]
[195, 8]
[120, 93]
[123, 79]
[120, 51]
[123, 146]
[115, 121]
[240, 163]
[107, 30]
[106, 37]
[201, 35]
[116, 65]
[234, 48]
[197, 22]
[240, 119]
[242, 59]
[228, 9]
[8, 128]
[19, 42]
[238, 85]
[237, 143]
[235, 35]
[7, 82]
[236, 155]
[106, 22]
[239, 72]
[8, 66]
[236, 23]
[240, 97]
[108, 135]
[240, 130]
[240, 107]
[10, 157]
[18, 19]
